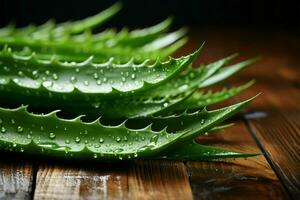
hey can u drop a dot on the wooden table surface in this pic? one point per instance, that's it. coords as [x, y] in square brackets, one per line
[271, 125]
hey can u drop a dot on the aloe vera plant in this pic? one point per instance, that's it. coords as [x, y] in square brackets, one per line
[128, 100]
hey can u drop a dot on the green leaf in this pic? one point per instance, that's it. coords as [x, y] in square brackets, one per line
[46, 134]
[194, 151]
[49, 29]
[84, 80]
[201, 99]
[225, 73]
[90, 22]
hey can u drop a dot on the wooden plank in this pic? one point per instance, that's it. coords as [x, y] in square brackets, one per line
[283, 130]
[158, 180]
[15, 179]
[275, 124]
[277, 76]
[251, 178]
[68, 182]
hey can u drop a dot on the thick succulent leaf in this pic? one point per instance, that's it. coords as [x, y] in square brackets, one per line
[189, 79]
[218, 128]
[140, 37]
[23, 131]
[186, 120]
[226, 72]
[47, 134]
[90, 22]
[165, 40]
[201, 99]
[64, 50]
[195, 151]
[86, 79]
[50, 30]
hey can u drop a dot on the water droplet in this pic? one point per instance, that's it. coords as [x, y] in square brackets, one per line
[52, 135]
[73, 79]
[98, 82]
[20, 73]
[77, 139]
[104, 79]
[55, 76]
[47, 83]
[3, 129]
[118, 150]
[20, 129]
[77, 70]
[123, 79]
[67, 141]
[95, 75]
[101, 140]
[165, 104]
[29, 136]
[35, 74]
[132, 76]
[118, 139]
[154, 139]
[86, 82]
[202, 121]
[95, 156]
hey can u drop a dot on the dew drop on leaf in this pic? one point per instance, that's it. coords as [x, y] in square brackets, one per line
[95, 75]
[52, 135]
[73, 79]
[20, 129]
[77, 139]
[3, 129]
[55, 76]
[86, 83]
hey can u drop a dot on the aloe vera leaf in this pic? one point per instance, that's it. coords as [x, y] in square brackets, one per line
[90, 22]
[140, 37]
[47, 134]
[219, 128]
[226, 72]
[201, 99]
[186, 120]
[194, 151]
[109, 108]
[86, 78]
[51, 29]
[189, 79]
[78, 52]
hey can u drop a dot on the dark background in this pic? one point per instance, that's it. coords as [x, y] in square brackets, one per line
[257, 14]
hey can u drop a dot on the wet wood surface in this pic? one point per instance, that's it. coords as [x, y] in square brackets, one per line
[270, 125]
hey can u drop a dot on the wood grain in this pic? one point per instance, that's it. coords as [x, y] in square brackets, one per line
[158, 180]
[277, 77]
[66, 182]
[275, 124]
[251, 178]
[280, 136]
[15, 180]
